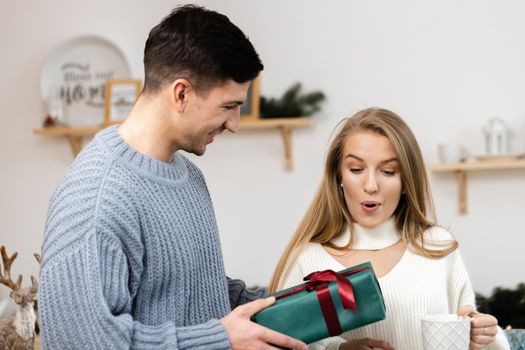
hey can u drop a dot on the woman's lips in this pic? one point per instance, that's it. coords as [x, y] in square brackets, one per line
[369, 206]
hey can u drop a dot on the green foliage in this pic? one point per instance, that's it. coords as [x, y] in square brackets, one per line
[507, 305]
[292, 103]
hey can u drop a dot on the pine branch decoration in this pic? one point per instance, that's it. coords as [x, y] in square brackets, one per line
[292, 103]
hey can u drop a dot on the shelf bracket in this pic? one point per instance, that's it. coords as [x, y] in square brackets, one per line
[462, 191]
[76, 144]
[286, 133]
[461, 169]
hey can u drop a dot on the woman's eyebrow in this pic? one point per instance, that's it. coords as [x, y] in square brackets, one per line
[350, 155]
[393, 159]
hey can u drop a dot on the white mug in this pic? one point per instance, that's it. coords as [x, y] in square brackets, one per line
[451, 153]
[445, 332]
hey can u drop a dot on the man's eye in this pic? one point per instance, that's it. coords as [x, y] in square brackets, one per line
[230, 107]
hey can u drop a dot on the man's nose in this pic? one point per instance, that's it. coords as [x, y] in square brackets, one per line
[232, 124]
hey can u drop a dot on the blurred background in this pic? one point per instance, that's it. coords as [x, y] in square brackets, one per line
[446, 67]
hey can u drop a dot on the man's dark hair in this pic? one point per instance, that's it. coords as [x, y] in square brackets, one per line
[200, 45]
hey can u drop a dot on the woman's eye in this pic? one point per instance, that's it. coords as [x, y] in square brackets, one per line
[356, 170]
[389, 172]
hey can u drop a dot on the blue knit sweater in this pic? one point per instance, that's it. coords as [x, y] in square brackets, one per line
[131, 255]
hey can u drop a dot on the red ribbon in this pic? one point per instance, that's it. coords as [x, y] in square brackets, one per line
[318, 281]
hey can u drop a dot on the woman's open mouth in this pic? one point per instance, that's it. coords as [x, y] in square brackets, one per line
[370, 206]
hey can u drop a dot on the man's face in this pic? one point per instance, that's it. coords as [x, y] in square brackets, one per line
[209, 114]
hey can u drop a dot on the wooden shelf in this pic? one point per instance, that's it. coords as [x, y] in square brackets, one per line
[274, 123]
[75, 135]
[487, 165]
[461, 169]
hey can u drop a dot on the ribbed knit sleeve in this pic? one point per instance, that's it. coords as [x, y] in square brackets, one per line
[239, 294]
[460, 290]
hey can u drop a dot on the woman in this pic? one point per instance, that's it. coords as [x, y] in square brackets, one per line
[374, 204]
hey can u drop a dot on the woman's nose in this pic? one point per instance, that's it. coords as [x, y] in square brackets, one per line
[371, 184]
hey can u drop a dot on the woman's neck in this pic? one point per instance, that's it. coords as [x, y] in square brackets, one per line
[375, 238]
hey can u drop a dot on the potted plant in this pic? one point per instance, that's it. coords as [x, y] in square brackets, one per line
[292, 103]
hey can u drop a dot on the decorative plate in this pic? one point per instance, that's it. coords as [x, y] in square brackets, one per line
[74, 76]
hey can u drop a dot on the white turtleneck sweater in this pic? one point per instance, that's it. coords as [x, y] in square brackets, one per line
[415, 287]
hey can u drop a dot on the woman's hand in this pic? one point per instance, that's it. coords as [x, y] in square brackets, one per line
[365, 344]
[483, 328]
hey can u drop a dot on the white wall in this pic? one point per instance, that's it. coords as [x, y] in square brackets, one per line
[445, 66]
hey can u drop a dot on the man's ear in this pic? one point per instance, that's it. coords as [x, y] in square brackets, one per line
[180, 93]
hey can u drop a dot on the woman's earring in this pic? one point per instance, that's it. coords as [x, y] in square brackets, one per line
[341, 185]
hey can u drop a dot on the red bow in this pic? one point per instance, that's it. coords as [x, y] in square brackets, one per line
[318, 281]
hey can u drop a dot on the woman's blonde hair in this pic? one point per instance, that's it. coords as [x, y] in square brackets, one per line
[328, 215]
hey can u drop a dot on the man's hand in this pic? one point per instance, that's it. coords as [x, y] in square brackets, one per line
[245, 334]
[483, 328]
[365, 344]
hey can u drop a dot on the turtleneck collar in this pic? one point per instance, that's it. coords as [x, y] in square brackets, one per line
[379, 237]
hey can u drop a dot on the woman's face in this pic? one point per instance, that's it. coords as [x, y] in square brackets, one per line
[371, 182]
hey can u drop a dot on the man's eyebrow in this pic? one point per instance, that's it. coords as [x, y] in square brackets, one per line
[236, 102]
[393, 159]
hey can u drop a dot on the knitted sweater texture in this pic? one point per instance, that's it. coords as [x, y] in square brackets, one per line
[416, 287]
[131, 255]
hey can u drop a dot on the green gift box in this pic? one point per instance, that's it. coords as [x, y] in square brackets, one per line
[328, 304]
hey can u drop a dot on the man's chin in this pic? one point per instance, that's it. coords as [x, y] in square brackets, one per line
[196, 149]
[199, 152]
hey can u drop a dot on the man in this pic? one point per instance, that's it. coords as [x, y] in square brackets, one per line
[131, 255]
